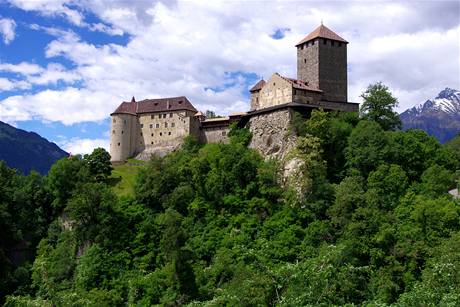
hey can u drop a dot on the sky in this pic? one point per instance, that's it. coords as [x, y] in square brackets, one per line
[66, 65]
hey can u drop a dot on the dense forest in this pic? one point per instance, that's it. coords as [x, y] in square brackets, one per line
[366, 219]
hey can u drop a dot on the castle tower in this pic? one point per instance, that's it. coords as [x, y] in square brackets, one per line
[322, 62]
[124, 130]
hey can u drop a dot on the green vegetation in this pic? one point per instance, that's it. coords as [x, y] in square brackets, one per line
[365, 220]
[123, 177]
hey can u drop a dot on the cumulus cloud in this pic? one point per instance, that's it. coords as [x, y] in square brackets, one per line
[83, 146]
[7, 30]
[210, 50]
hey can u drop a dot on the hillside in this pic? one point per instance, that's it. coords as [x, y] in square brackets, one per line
[366, 220]
[27, 151]
[439, 117]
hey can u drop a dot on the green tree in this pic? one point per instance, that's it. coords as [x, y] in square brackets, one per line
[99, 164]
[378, 105]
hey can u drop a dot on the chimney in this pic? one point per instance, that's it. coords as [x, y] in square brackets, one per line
[133, 100]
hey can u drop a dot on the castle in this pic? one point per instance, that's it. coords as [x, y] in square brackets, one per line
[158, 126]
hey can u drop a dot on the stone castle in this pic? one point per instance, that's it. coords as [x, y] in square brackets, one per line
[158, 126]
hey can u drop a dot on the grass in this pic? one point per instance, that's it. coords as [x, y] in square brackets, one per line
[123, 177]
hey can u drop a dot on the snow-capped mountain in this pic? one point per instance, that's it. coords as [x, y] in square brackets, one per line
[439, 116]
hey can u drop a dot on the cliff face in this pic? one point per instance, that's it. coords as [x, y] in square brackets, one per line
[439, 117]
[27, 151]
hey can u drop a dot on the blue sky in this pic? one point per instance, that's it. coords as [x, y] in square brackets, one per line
[65, 65]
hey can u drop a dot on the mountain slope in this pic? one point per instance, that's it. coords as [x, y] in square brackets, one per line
[439, 117]
[27, 151]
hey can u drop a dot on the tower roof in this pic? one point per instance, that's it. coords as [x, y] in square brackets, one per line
[323, 32]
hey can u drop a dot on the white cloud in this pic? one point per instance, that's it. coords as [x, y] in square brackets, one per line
[7, 30]
[83, 146]
[186, 48]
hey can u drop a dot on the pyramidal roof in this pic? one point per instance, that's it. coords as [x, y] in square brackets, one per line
[323, 32]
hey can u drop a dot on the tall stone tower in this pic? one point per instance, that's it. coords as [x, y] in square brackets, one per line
[322, 62]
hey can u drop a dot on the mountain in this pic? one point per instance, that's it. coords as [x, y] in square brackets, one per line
[27, 151]
[439, 117]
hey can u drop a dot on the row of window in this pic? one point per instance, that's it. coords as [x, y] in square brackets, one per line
[311, 43]
[160, 134]
[158, 125]
[161, 115]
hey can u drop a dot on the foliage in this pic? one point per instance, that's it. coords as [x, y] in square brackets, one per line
[378, 105]
[98, 163]
[364, 219]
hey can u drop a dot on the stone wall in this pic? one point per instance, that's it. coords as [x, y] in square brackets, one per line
[218, 134]
[271, 135]
[276, 91]
[323, 64]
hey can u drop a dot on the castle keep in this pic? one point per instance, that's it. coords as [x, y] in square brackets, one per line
[158, 126]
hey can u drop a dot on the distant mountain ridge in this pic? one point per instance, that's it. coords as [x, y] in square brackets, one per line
[439, 117]
[27, 151]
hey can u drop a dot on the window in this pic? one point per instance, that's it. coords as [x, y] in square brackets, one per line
[152, 134]
[257, 99]
[124, 121]
[118, 144]
[169, 133]
[161, 134]
[305, 60]
[152, 116]
[324, 41]
[151, 143]
[274, 83]
[170, 115]
[166, 125]
[113, 131]
[172, 125]
[114, 120]
[224, 133]
[157, 125]
[151, 126]
[340, 44]
[164, 115]
[142, 126]
[121, 131]
[141, 133]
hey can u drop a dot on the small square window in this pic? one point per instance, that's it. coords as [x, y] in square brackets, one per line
[141, 133]
[172, 125]
[142, 126]
[151, 126]
[166, 125]
[164, 115]
[124, 121]
[114, 120]
[151, 143]
[169, 133]
[224, 133]
[152, 134]
[157, 125]
[161, 134]
[113, 131]
[118, 144]
[305, 60]
[152, 116]
[121, 131]
[170, 115]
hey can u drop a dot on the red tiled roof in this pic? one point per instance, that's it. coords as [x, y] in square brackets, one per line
[165, 104]
[259, 85]
[126, 108]
[301, 85]
[155, 105]
[323, 32]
